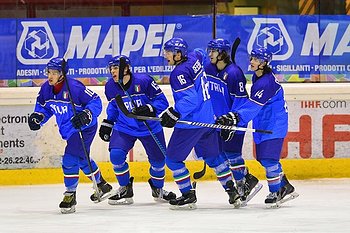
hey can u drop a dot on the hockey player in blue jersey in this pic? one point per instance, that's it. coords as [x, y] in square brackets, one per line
[227, 88]
[122, 132]
[267, 109]
[192, 103]
[52, 100]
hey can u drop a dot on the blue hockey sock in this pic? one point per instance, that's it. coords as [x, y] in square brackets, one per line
[221, 169]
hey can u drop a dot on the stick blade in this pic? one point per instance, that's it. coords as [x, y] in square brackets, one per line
[234, 49]
[201, 173]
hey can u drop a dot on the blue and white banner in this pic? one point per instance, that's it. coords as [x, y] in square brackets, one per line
[302, 45]
[88, 44]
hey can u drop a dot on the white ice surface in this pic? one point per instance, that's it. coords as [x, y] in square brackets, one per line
[323, 206]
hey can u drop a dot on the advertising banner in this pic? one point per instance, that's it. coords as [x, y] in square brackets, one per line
[318, 129]
[88, 44]
[305, 48]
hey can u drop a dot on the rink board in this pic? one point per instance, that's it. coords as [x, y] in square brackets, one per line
[295, 169]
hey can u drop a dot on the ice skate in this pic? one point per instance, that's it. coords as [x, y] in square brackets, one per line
[234, 197]
[123, 196]
[287, 192]
[248, 188]
[272, 200]
[68, 204]
[186, 202]
[160, 194]
[104, 189]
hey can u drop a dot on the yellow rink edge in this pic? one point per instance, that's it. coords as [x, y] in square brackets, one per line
[296, 169]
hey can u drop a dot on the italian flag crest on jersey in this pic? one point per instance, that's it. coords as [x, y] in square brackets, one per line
[137, 88]
[65, 95]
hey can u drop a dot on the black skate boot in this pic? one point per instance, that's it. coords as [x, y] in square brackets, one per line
[248, 188]
[160, 194]
[123, 196]
[234, 198]
[68, 204]
[186, 201]
[272, 200]
[105, 191]
[287, 192]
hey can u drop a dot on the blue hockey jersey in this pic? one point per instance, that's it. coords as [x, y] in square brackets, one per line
[59, 105]
[143, 90]
[190, 91]
[226, 88]
[266, 107]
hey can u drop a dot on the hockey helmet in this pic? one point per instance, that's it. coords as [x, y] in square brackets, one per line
[57, 63]
[220, 45]
[176, 45]
[262, 54]
[115, 61]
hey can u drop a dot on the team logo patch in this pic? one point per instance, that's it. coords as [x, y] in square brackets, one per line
[65, 95]
[137, 88]
[225, 76]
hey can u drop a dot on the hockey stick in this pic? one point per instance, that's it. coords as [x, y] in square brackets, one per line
[201, 173]
[125, 111]
[234, 49]
[94, 183]
[122, 65]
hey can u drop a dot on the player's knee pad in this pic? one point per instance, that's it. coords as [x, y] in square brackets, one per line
[173, 165]
[69, 161]
[118, 156]
[84, 166]
[272, 167]
[217, 163]
[157, 165]
[234, 158]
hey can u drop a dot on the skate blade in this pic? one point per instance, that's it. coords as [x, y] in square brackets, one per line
[68, 210]
[252, 194]
[289, 197]
[237, 204]
[273, 205]
[191, 206]
[104, 197]
[123, 201]
[278, 204]
[160, 200]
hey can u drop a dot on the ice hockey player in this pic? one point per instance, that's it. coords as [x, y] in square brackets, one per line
[122, 132]
[52, 100]
[267, 109]
[192, 103]
[227, 89]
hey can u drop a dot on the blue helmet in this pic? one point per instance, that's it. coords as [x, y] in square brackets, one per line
[176, 45]
[220, 45]
[57, 64]
[116, 60]
[262, 54]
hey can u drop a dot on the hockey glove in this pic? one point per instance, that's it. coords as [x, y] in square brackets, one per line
[34, 121]
[106, 130]
[145, 110]
[230, 119]
[81, 119]
[169, 118]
